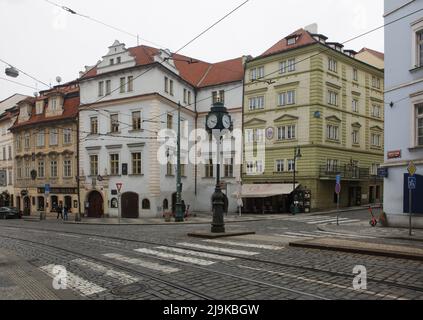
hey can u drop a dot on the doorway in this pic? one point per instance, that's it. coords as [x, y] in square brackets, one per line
[95, 205]
[130, 205]
[27, 206]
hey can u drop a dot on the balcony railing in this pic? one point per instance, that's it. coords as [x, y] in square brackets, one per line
[347, 172]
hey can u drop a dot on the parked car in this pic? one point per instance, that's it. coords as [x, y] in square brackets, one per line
[10, 213]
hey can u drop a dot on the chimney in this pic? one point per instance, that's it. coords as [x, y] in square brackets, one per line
[312, 28]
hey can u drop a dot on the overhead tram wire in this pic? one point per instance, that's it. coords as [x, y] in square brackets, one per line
[23, 72]
[73, 12]
[152, 67]
[18, 83]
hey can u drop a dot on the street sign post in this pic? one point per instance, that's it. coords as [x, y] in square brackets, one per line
[119, 189]
[338, 192]
[412, 184]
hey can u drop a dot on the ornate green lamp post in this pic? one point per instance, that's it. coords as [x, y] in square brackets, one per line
[218, 120]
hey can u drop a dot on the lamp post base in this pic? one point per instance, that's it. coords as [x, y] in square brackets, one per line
[179, 215]
[218, 224]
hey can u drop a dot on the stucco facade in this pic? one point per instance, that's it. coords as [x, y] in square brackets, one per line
[404, 87]
[324, 105]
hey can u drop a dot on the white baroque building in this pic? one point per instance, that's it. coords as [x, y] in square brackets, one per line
[404, 109]
[127, 100]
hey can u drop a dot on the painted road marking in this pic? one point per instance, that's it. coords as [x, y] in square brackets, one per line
[141, 263]
[244, 244]
[68, 235]
[341, 220]
[198, 254]
[218, 249]
[106, 241]
[84, 287]
[120, 276]
[309, 218]
[283, 274]
[346, 235]
[304, 234]
[197, 261]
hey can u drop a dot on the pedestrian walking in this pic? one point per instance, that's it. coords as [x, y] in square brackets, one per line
[59, 210]
[65, 213]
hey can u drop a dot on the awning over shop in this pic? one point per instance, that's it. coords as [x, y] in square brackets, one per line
[264, 190]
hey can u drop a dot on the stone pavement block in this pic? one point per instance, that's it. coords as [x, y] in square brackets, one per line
[22, 281]
[362, 247]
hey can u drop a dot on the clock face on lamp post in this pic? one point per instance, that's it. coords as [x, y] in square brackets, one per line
[212, 122]
[226, 121]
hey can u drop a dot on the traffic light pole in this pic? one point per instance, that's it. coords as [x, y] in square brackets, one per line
[179, 216]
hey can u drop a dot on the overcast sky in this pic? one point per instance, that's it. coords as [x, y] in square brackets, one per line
[45, 41]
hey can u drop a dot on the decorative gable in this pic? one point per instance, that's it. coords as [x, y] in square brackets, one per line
[376, 128]
[333, 119]
[286, 117]
[255, 122]
[117, 58]
[25, 112]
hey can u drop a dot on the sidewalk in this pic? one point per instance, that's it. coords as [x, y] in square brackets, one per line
[196, 218]
[19, 280]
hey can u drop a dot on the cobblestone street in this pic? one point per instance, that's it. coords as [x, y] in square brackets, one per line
[160, 262]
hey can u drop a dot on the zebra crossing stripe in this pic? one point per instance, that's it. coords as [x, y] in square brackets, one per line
[120, 276]
[197, 261]
[304, 234]
[309, 218]
[346, 235]
[243, 244]
[218, 249]
[141, 263]
[327, 221]
[198, 254]
[348, 221]
[74, 282]
[286, 236]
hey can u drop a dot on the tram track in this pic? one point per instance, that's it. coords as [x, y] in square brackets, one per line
[242, 258]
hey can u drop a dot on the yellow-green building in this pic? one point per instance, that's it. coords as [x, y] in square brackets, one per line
[309, 93]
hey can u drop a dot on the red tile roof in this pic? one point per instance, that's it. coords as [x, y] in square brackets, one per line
[378, 54]
[70, 107]
[304, 38]
[196, 72]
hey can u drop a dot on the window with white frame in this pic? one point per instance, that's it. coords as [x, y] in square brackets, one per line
[209, 169]
[228, 167]
[108, 87]
[67, 136]
[41, 138]
[286, 98]
[114, 123]
[27, 170]
[94, 165]
[356, 137]
[280, 165]
[419, 125]
[257, 73]
[332, 165]
[94, 125]
[374, 169]
[419, 48]
[166, 84]
[122, 85]
[282, 67]
[130, 83]
[41, 169]
[19, 170]
[292, 41]
[53, 169]
[332, 98]
[332, 65]
[355, 74]
[171, 87]
[375, 82]
[376, 111]
[355, 105]
[136, 163]
[54, 134]
[376, 140]
[53, 104]
[114, 164]
[101, 88]
[287, 132]
[257, 103]
[332, 132]
[67, 168]
[291, 65]
[291, 166]
[39, 106]
[255, 167]
[27, 140]
[136, 120]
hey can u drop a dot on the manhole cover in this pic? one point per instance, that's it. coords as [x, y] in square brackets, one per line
[130, 289]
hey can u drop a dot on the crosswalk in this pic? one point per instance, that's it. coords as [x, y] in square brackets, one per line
[157, 259]
[322, 220]
[320, 234]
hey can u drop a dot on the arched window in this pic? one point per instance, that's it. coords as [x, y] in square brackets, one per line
[146, 204]
[165, 204]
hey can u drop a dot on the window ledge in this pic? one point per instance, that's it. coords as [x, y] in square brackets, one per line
[170, 175]
[136, 131]
[136, 175]
[415, 148]
[416, 68]
[209, 178]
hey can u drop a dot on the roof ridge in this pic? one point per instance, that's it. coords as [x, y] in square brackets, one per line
[205, 75]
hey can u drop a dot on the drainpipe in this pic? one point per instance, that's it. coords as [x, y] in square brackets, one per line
[196, 127]
[78, 216]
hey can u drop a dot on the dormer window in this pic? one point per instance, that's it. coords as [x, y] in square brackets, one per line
[39, 107]
[291, 41]
[53, 104]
